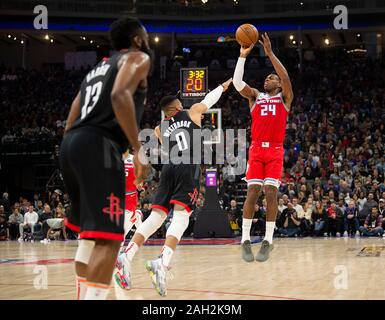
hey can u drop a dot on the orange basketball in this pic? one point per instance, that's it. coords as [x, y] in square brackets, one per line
[246, 35]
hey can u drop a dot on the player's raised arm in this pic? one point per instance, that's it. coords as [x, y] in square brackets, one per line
[242, 87]
[287, 91]
[210, 99]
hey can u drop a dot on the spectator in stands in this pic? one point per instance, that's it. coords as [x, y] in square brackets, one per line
[297, 207]
[15, 219]
[370, 203]
[258, 223]
[4, 232]
[43, 218]
[351, 219]
[40, 207]
[30, 219]
[381, 207]
[373, 224]
[56, 225]
[334, 220]
[305, 217]
[6, 204]
[234, 215]
[35, 202]
[291, 222]
[281, 206]
[319, 218]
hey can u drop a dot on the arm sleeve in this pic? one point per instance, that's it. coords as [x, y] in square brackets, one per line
[212, 97]
[238, 82]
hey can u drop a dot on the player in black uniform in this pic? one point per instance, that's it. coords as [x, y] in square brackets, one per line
[101, 123]
[178, 187]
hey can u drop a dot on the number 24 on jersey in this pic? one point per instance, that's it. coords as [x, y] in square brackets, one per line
[268, 108]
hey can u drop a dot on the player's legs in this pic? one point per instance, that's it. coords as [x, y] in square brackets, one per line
[72, 222]
[158, 267]
[101, 208]
[122, 274]
[100, 268]
[254, 176]
[160, 209]
[273, 171]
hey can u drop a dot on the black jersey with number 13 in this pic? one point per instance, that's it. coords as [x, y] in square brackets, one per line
[95, 101]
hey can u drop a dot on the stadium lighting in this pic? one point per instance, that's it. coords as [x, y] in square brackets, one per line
[14, 38]
[51, 40]
[294, 42]
[46, 37]
[327, 41]
[301, 3]
[22, 41]
[291, 37]
[91, 41]
[156, 39]
[358, 35]
[9, 36]
[204, 1]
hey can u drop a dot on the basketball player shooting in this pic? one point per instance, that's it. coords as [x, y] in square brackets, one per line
[177, 190]
[100, 125]
[269, 111]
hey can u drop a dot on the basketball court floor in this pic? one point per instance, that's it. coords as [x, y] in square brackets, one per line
[322, 268]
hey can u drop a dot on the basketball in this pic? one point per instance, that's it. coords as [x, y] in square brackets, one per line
[246, 35]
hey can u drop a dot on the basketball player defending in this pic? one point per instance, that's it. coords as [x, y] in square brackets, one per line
[100, 125]
[178, 188]
[269, 112]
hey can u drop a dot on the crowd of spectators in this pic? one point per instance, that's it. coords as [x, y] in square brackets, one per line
[334, 164]
[26, 220]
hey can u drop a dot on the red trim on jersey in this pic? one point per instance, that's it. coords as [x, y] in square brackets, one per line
[188, 209]
[102, 235]
[157, 206]
[71, 226]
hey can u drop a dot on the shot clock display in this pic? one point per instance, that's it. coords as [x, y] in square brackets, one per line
[193, 82]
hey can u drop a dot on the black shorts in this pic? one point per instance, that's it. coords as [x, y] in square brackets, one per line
[93, 173]
[179, 184]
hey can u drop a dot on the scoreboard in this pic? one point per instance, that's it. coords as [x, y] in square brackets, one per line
[193, 83]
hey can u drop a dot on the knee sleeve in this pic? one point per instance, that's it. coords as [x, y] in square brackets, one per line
[152, 223]
[179, 224]
[83, 254]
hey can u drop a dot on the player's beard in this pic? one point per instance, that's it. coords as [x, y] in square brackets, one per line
[151, 54]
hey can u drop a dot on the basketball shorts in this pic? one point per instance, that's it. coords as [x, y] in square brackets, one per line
[131, 199]
[265, 164]
[179, 184]
[93, 173]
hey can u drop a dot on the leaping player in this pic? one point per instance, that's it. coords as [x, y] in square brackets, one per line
[269, 112]
[178, 188]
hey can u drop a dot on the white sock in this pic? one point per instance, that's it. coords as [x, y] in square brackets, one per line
[96, 291]
[246, 226]
[81, 287]
[270, 225]
[166, 255]
[131, 249]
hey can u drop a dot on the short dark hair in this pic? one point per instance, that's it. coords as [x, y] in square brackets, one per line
[166, 101]
[276, 74]
[122, 31]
